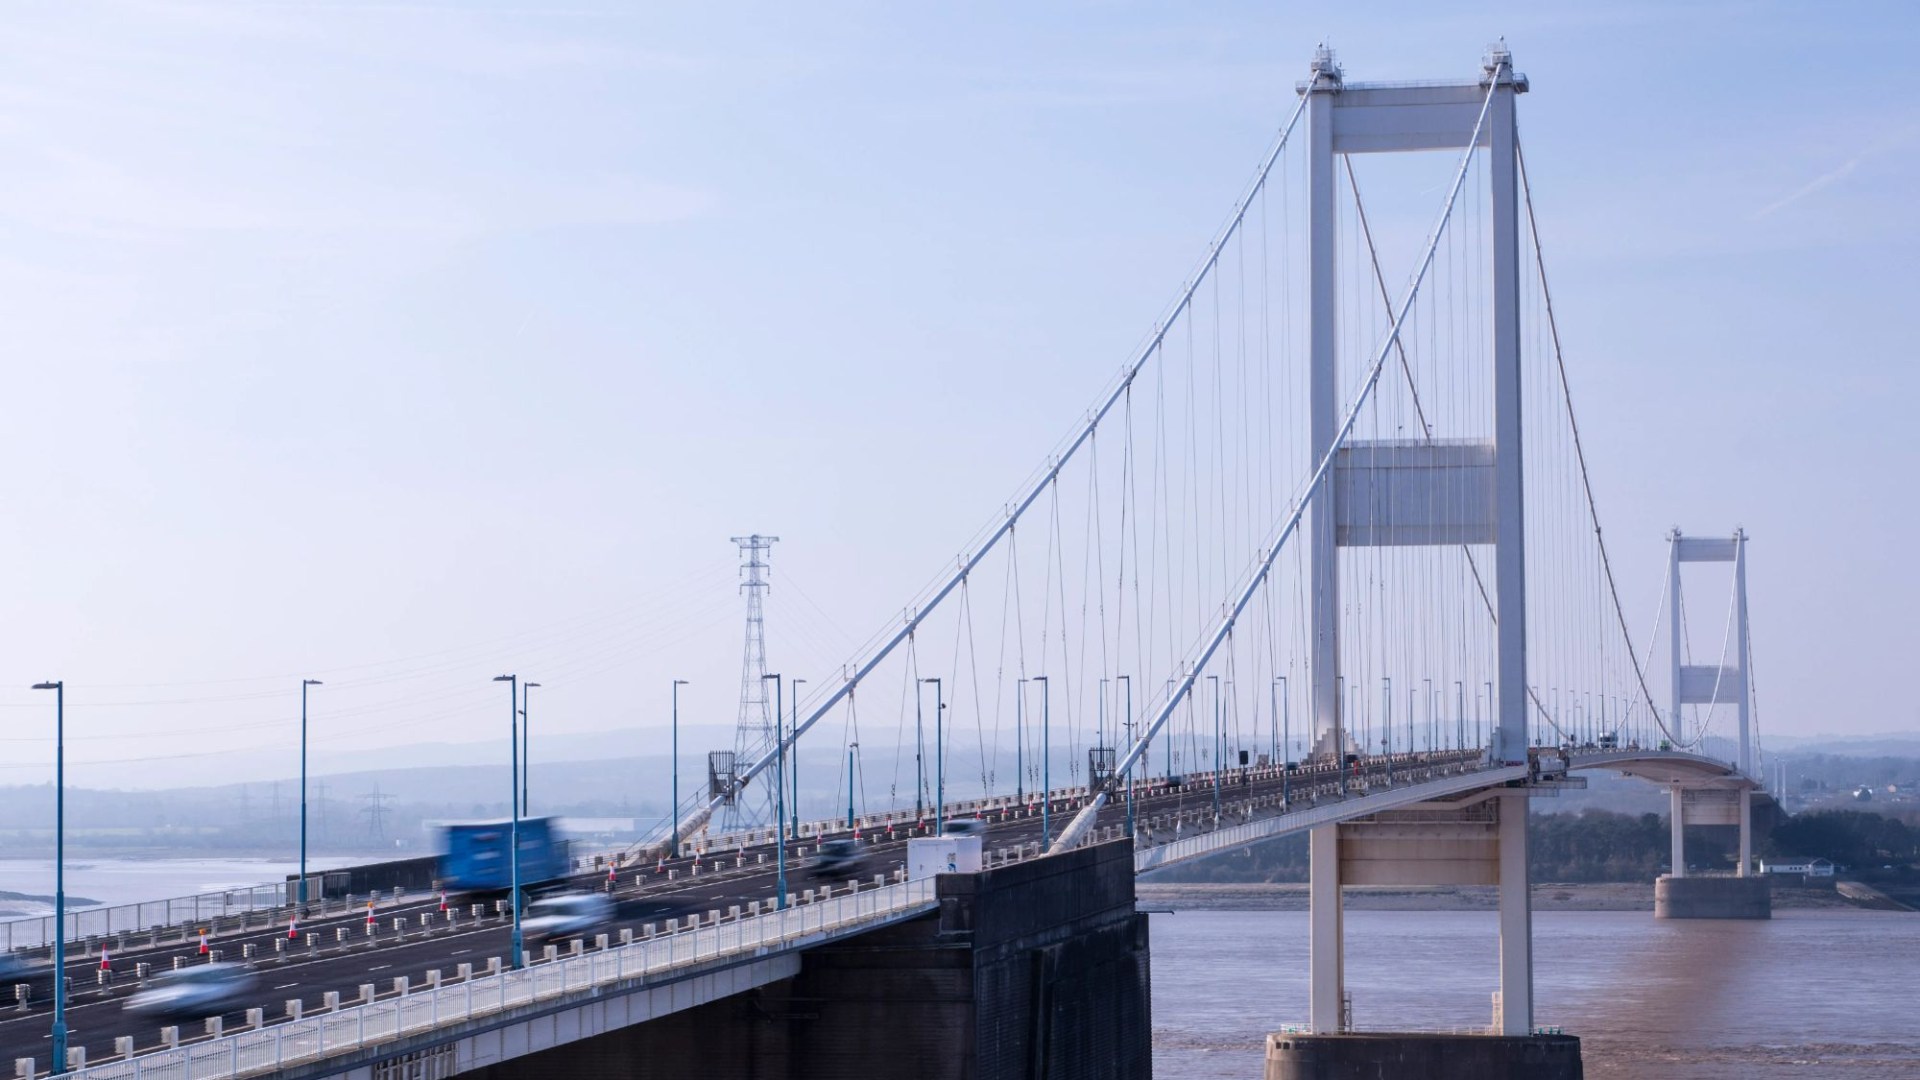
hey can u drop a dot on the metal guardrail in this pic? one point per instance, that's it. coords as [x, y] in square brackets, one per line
[35, 931]
[324, 1035]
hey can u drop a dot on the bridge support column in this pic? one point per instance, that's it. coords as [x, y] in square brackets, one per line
[1742, 895]
[1516, 919]
[1678, 826]
[1746, 832]
[1327, 949]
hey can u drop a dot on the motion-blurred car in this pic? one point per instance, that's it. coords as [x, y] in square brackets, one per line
[963, 826]
[837, 858]
[566, 914]
[16, 969]
[200, 990]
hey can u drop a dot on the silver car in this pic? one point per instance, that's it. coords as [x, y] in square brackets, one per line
[566, 914]
[200, 990]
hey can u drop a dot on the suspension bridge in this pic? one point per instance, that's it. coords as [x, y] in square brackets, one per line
[1323, 555]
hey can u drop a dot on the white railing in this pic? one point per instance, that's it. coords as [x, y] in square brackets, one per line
[370, 1024]
[37, 930]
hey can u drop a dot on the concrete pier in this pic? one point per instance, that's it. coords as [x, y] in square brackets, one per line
[1712, 897]
[1389, 1056]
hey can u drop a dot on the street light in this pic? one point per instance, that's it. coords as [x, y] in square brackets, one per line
[513, 835]
[304, 683]
[59, 688]
[1046, 758]
[1386, 722]
[1128, 679]
[1019, 742]
[675, 810]
[1492, 720]
[939, 760]
[1432, 732]
[779, 788]
[851, 747]
[1286, 744]
[1218, 762]
[526, 750]
[793, 810]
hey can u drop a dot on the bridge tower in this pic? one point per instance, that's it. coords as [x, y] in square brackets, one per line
[1710, 685]
[1419, 493]
[753, 732]
[1716, 683]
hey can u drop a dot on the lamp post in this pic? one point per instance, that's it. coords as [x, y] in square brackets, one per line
[939, 758]
[1046, 760]
[1100, 716]
[851, 747]
[1431, 733]
[513, 835]
[1128, 679]
[675, 809]
[1386, 721]
[919, 761]
[59, 688]
[779, 789]
[304, 683]
[793, 807]
[1218, 763]
[1019, 742]
[1286, 741]
[1459, 715]
[526, 750]
[1479, 735]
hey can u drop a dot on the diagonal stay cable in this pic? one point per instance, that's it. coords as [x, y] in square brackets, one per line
[1184, 686]
[1426, 427]
[917, 612]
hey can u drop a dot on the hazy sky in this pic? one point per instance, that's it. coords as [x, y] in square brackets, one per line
[403, 344]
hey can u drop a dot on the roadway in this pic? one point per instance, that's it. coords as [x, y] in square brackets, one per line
[645, 895]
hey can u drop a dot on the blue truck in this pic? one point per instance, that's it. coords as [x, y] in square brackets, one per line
[473, 855]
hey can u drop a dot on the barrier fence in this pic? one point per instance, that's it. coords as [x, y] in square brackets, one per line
[35, 931]
[370, 1024]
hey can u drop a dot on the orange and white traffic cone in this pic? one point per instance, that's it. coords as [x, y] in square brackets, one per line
[104, 965]
[443, 899]
[662, 868]
[293, 928]
[203, 943]
[369, 915]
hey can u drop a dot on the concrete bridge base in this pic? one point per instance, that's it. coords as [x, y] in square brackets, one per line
[1037, 969]
[1391, 1056]
[1712, 897]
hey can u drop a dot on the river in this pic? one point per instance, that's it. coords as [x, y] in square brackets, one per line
[1824, 993]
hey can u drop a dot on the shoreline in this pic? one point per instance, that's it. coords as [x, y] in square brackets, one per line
[1547, 896]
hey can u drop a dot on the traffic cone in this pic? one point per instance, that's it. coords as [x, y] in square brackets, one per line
[369, 914]
[203, 943]
[293, 931]
[610, 877]
[443, 899]
[104, 965]
[662, 868]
